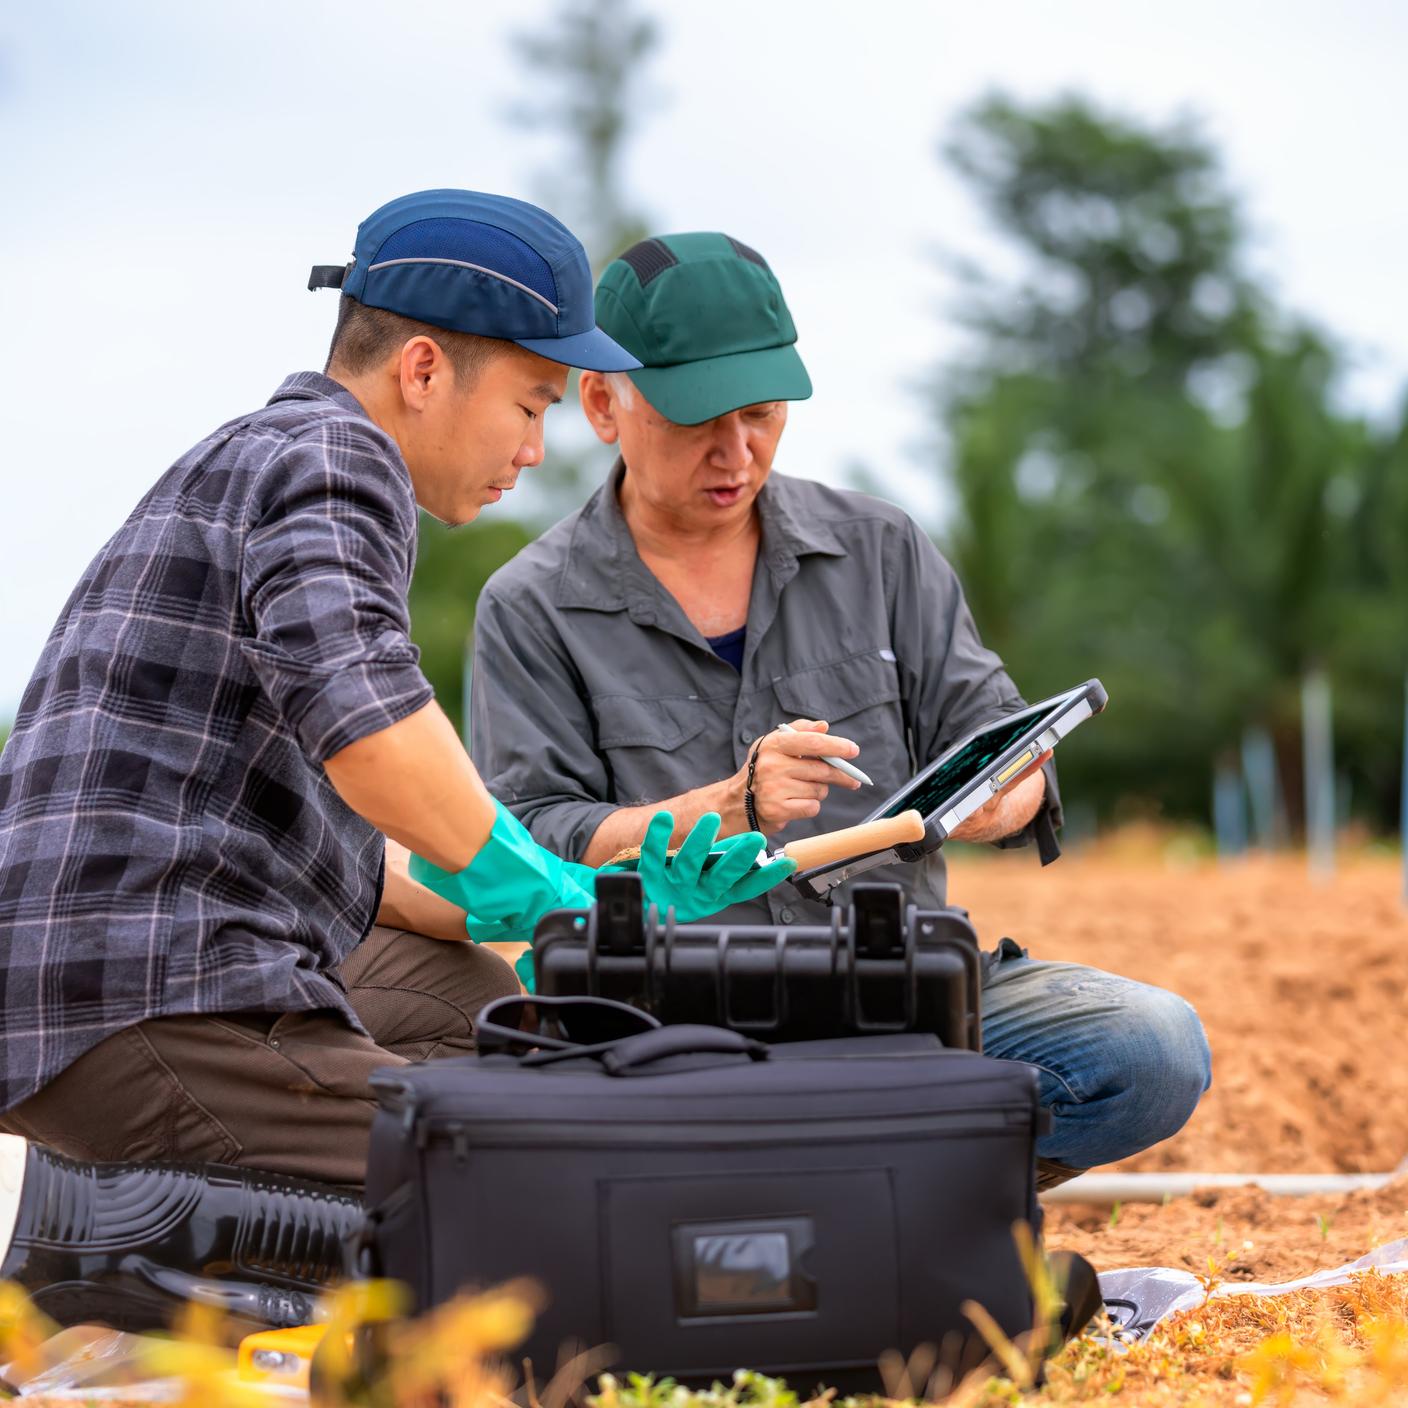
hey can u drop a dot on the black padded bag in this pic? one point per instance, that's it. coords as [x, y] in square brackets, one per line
[702, 1202]
[880, 966]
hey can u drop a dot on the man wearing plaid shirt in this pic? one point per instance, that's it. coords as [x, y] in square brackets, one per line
[229, 719]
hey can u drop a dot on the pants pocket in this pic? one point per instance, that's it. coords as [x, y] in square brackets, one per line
[181, 1126]
[334, 1059]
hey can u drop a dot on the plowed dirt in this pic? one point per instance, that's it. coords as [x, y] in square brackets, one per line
[1303, 990]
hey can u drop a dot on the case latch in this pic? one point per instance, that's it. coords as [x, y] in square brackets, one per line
[617, 921]
[877, 920]
[880, 943]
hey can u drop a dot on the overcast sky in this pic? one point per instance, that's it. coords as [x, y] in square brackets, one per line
[170, 171]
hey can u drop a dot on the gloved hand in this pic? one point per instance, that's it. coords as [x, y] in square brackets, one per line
[510, 884]
[681, 880]
[513, 881]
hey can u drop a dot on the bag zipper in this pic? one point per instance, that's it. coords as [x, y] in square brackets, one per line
[488, 1134]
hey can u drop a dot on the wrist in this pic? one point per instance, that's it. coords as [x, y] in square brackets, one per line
[750, 798]
[422, 911]
[726, 798]
[1009, 819]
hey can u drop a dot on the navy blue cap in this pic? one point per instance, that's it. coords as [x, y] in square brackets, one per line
[483, 264]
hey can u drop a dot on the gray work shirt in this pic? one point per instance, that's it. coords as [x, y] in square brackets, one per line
[592, 690]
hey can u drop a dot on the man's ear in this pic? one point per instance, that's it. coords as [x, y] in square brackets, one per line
[598, 406]
[423, 368]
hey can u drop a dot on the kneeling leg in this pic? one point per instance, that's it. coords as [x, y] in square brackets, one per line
[1121, 1064]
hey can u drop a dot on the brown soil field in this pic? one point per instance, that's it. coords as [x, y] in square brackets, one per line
[1301, 987]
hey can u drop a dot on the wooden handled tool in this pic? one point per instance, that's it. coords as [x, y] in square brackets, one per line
[856, 840]
[830, 845]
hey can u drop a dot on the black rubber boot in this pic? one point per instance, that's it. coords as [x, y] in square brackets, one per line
[125, 1244]
[1083, 1302]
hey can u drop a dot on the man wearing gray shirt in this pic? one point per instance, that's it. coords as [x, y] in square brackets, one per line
[643, 651]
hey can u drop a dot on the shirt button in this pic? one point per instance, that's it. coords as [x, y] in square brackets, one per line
[274, 1043]
[787, 915]
[747, 735]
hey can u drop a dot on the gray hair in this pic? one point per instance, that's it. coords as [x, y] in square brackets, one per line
[622, 388]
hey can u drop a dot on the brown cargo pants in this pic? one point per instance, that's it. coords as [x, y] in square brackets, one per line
[287, 1093]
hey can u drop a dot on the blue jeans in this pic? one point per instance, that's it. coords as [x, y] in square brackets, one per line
[1121, 1065]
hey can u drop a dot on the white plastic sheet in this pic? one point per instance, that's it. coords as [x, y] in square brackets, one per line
[1139, 1297]
[92, 1364]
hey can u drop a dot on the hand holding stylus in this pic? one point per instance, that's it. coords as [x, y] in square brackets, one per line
[791, 775]
[840, 764]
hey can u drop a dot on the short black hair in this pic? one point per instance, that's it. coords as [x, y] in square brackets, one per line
[365, 337]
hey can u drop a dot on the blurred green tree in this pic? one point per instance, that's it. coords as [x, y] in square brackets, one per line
[452, 565]
[587, 69]
[589, 64]
[1369, 654]
[590, 80]
[1153, 483]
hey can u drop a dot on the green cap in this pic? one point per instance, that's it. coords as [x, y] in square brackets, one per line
[706, 317]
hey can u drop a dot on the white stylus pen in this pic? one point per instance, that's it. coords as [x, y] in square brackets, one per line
[840, 764]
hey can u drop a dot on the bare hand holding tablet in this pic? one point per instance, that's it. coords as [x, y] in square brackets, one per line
[1008, 810]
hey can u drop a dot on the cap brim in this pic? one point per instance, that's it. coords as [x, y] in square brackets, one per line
[693, 392]
[592, 351]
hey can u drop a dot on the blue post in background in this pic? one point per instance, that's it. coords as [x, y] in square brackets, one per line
[1268, 807]
[1317, 743]
[1229, 811]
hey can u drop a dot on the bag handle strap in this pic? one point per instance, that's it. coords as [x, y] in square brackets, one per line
[634, 1052]
[520, 1024]
[543, 1031]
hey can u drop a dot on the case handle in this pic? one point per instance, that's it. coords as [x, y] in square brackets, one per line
[630, 1054]
[856, 840]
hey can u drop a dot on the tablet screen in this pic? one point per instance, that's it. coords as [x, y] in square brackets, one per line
[927, 794]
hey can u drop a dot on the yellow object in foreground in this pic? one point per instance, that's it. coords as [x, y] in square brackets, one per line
[280, 1356]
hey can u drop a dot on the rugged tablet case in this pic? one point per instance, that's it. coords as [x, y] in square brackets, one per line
[879, 966]
[819, 882]
[698, 1201]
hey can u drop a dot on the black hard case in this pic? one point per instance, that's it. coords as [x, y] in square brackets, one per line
[880, 966]
[798, 1214]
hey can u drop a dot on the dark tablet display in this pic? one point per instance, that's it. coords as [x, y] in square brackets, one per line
[929, 792]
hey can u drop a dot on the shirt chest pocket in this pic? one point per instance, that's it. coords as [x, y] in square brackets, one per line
[859, 697]
[653, 747]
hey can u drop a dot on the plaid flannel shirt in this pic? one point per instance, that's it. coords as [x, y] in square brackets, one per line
[169, 841]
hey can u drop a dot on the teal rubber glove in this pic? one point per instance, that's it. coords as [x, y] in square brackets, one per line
[681, 880]
[510, 884]
[513, 881]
